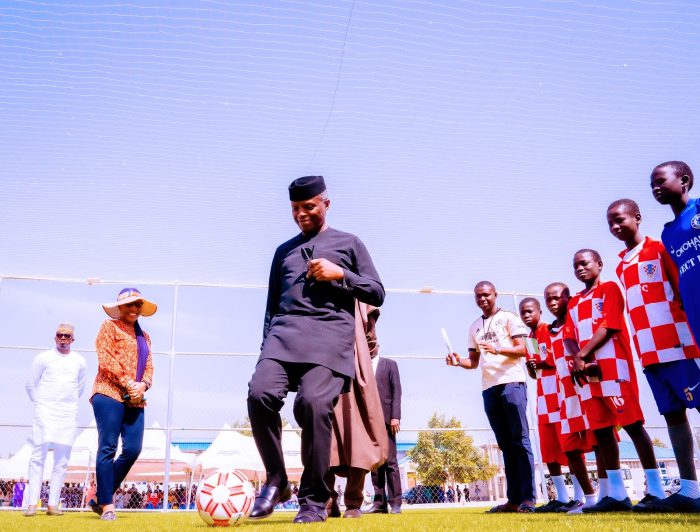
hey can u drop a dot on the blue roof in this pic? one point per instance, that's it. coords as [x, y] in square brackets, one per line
[192, 445]
[404, 446]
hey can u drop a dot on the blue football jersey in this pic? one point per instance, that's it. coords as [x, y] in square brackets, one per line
[682, 240]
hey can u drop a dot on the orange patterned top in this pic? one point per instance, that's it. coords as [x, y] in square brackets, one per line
[117, 357]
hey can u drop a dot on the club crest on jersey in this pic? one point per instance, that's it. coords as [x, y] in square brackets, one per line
[543, 351]
[649, 269]
[599, 306]
[695, 222]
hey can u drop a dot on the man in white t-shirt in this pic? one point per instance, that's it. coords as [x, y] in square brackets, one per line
[56, 382]
[497, 344]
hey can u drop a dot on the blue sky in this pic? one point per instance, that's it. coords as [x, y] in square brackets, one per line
[459, 140]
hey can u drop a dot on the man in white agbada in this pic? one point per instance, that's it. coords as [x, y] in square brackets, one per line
[57, 381]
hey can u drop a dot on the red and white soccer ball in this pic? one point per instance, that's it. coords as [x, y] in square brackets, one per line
[225, 498]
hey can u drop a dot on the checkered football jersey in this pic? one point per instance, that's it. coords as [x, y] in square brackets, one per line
[604, 306]
[547, 381]
[569, 396]
[659, 326]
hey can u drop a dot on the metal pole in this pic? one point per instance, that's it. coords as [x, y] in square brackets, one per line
[169, 421]
[532, 414]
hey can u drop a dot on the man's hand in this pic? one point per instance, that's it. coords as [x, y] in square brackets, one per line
[395, 425]
[486, 348]
[578, 375]
[452, 359]
[324, 270]
[531, 366]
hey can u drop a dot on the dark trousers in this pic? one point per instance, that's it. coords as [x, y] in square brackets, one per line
[318, 390]
[389, 476]
[353, 496]
[506, 409]
[115, 419]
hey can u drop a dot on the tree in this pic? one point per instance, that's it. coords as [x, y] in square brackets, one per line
[449, 456]
[657, 442]
[245, 424]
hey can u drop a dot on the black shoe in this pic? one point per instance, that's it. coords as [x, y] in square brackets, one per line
[310, 514]
[377, 509]
[675, 503]
[551, 507]
[641, 505]
[269, 497]
[95, 507]
[333, 509]
[608, 504]
[571, 505]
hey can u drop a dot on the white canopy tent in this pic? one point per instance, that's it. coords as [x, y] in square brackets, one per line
[151, 463]
[232, 450]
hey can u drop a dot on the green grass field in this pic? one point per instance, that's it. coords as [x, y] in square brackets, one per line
[432, 520]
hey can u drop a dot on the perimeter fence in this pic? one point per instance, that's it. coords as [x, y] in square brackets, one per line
[205, 344]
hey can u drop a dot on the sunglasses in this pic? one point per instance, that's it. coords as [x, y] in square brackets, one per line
[307, 253]
[137, 304]
[67, 336]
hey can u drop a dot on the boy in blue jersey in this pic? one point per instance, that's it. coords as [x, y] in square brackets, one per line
[670, 183]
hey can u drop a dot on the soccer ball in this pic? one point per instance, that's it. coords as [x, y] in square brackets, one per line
[225, 498]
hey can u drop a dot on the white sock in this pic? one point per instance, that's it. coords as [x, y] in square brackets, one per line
[602, 488]
[654, 486]
[616, 484]
[590, 501]
[578, 491]
[689, 488]
[560, 486]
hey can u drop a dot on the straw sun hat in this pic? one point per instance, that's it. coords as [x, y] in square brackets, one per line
[128, 295]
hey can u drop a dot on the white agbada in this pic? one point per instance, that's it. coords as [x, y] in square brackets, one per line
[55, 384]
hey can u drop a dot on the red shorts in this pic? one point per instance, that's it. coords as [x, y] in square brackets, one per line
[603, 412]
[577, 441]
[549, 443]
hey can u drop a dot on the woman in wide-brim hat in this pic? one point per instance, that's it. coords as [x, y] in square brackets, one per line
[124, 373]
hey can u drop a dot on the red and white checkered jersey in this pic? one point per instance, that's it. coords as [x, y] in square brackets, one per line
[547, 381]
[571, 414]
[604, 306]
[659, 325]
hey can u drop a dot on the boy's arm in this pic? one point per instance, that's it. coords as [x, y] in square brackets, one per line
[671, 272]
[587, 353]
[612, 323]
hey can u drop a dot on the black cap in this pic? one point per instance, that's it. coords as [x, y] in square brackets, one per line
[306, 187]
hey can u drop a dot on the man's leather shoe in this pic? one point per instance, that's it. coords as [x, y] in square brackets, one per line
[267, 500]
[310, 514]
[333, 509]
[377, 510]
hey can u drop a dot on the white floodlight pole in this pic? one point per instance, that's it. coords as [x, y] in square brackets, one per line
[169, 421]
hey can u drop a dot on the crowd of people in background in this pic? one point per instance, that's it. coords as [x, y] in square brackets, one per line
[149, 496]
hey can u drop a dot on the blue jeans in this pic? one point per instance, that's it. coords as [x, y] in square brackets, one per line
[506, 408]
[114, 419]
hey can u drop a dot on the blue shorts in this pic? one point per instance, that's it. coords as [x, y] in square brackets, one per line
[675, 385]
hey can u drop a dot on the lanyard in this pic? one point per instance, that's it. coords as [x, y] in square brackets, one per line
[483, 324]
